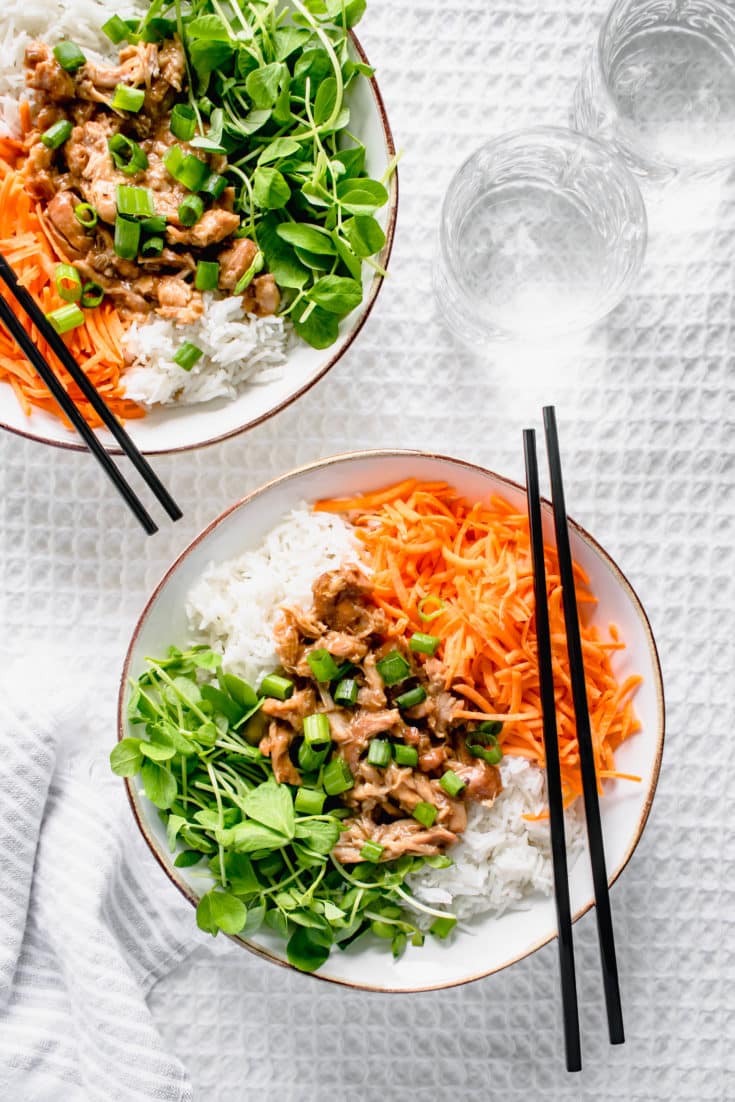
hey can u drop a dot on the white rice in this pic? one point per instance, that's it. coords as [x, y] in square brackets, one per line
[238, 349]
[235, 604]
[501, 859]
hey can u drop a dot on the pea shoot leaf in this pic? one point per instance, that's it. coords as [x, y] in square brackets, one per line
[325, 101]
[159, 784]
[320, 835]
[320, 329]
[270, 190]
[272, 805]
[364, 234]
[361, 196]
[336, 295]
[262, 85]
[242, 693]
[173, 826]
[220, 910]
[187, 858]
[157, 751]
[279, 149]
[308, 949]
[312, 238]
[250, 837]
[126, 758]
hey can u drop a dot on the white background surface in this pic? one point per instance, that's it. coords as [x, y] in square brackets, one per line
[646, 410]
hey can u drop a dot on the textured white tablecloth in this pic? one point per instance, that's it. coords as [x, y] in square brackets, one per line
[647, 412]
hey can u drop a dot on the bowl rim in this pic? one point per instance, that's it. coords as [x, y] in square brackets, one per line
[342, 347]
[387, 453]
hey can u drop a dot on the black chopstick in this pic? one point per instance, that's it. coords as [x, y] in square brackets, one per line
[584, 738]
[57, 391]
[106, 415]
[553, 773]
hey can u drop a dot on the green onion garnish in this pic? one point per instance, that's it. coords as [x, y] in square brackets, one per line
[313, 755]
[371, 851]
[393, 668]
[186, 168]
[379, 752]
[214, 185]
[66, 318]
[483, 742]
[57, 134]
[183, 122]
[125, 98]
[188, 355]
[136, 202]
[156, 224]
[68, 282]
[451, 783]
[191, 210]
[316, 728]
[127, 155]
[69, 56]
[346, 692]
[274, 685]
[442, 927]
[405, 755]
[424, 813]
[309, 801]
[86, 215]
[437, 602]
[92, 295]
[247, 277]
[127, 238]
[322, 665]
[152, 246]
[491, 727]
[207, 276]
[337, 777]
[116, 29]
[411, 698]
[423, 644]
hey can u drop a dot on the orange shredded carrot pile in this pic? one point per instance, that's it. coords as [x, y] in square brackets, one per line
[464, 573]
[96, 345]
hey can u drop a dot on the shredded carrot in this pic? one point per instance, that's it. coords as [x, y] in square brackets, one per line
[464, 573]
[96, 345]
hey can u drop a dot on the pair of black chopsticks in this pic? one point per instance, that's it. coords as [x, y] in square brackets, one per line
[54, 341]
[586, 753]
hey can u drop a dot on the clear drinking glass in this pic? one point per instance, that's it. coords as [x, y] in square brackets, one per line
[660, 86]
[542, 233]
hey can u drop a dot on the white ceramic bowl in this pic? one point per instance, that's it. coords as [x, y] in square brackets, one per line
[494, 943]
[180, 428]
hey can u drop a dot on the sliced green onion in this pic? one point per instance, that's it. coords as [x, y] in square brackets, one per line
[322, 665]
[309, 801]
[152, 246]
[423, 644]
[437, 602]
[66, 318]
[207, 276]
[247, 277]
[452, 783]
[57, 134]
[127, 155]
[411, 698]
[156, 224]
[191, 210]
[127, 238]
[214, 185]
[125, 98]
[188, 355]
[68, 282]
[186, 168]
[442, 927]
[346, 692]
[405, 755]
[136, 202]
[92, 295]
[491, 727]
[379, 752]
[69, 56]
[337, 777]
[372, 851]
[393, 668]
[316, 728]
[484, 743]
[86, 215]
[279, 687]
[183, 122]
[116, 29]
[313, 755]
[346, 669]
[424, 813]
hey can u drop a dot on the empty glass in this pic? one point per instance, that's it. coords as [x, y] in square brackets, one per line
[661, 86]
[542, 233]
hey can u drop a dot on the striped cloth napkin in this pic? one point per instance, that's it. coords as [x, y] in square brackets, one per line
[87, 923]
